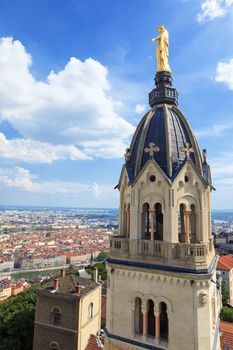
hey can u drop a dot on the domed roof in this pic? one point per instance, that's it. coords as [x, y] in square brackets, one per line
[164, 136]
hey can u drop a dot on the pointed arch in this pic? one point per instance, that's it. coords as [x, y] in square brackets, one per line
[54, 346]
[193, 223]
[166, 301]
[181, 223]
[145, 221]
[164, 330]
[158, 217]
[151, 317]
[56, 316]
[138, 316]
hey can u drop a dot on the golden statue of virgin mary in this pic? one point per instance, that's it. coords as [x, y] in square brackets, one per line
[162, 49]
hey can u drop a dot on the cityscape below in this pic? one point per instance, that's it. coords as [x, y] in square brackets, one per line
[33, 238]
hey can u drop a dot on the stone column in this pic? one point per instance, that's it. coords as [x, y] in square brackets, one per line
[145, 321]
[128, 221]
[157, 324]
[187, 225]
[121, 230]
[152, 220]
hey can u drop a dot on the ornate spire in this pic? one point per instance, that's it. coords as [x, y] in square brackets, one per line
[163, 93]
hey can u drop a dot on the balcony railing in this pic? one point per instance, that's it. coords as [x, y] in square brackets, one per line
[189, 253]
[119, 243]
[154, 248]
[196, 251]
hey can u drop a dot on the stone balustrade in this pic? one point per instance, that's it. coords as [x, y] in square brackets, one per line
[190, 253]
[119, 244]
[195, 251]
[152, 248]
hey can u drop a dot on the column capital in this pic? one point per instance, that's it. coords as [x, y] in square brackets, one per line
[144, 310]
[152, 210]
[188, 211]
[156, 313]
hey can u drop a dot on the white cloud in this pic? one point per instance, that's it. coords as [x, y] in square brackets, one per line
[17, 178]
[211, 9]
[222, 174]
[21, 179]
[216, 130]
[224, 73]
[140, 108]
[72, 107]
[222, 166]
[104, 148]
[37, 152]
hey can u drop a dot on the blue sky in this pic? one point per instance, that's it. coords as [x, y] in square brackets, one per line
[74, 82]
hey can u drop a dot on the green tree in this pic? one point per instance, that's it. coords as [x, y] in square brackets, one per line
[102, 256]
[101, 269]
[225, 295]
[17, 321]
[227, 314]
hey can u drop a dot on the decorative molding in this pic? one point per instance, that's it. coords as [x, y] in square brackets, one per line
[158, 278]
[144, 265]
[203, 298]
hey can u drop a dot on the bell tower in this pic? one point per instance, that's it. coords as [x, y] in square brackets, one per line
[162, 287]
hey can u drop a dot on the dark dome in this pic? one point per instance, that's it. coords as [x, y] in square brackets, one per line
[166, 127]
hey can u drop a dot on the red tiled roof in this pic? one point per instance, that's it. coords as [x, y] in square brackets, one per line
[93, 343]
[226, 335]
[225, 262]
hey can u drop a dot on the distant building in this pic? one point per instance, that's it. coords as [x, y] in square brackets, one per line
[41, 262]
[9, 287]
[5, 292]
[226, 335]
[68, 311]
[225, 267]
[74, 259]
[6, 265]
[220, 240]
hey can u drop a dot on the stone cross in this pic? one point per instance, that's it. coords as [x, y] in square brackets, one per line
[152, 149]
[127, 154]
[187, 150]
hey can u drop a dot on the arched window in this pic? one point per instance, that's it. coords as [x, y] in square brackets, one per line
[138, 317]
[163, 321]
[193, 223]
[54, 346]
[145, 221]
[90, 310]
[56, 316]
[158, 222]
[151, 318]
[181, 223]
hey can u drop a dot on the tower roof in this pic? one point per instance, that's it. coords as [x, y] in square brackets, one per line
[164, 135]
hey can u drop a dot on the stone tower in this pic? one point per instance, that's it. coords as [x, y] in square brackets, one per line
[162, 288]
[68, 311]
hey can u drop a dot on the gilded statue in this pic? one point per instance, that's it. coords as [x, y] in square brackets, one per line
[162, 49]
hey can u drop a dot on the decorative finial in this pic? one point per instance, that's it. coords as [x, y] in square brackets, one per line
[127, 154]
[187, 150]
[204, 154]
[162, 49]
[152, 149]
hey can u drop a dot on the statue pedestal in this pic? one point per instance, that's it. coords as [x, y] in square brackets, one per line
[164, 92]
